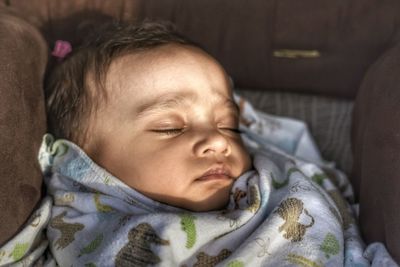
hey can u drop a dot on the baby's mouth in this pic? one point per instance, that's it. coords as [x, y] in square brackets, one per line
[219, 173]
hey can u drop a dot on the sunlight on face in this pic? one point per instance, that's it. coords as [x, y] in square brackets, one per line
[169, 128]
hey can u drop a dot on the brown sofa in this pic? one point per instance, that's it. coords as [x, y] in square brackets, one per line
[314, 60]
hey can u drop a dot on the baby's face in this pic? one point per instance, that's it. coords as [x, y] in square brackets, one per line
[169, 128]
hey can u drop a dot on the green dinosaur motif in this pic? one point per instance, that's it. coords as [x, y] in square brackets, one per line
[59, 148]
[92, 246]
[235, 263]
[189, 227]
[302, 261]
[19, 251]
[319, 178]
[330, 245]
[278, 185]
[100, 207]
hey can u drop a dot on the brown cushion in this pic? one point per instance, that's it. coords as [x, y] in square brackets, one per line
[376, 140]
[338, 40]
[22, 121]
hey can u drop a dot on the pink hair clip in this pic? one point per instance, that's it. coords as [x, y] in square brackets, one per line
[61, 49]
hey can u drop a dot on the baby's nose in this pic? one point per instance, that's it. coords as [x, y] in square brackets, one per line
[212, 142]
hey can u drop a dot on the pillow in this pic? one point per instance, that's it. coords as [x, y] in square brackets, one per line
[376, 146]
[23, 56]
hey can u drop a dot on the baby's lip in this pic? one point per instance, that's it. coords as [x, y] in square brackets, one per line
[216, 173]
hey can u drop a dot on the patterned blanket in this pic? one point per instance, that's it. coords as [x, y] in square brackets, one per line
[290, 210]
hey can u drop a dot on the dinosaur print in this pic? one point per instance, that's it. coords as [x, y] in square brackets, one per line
[64, 199]
[233, 224]
[205, 260]
[264, 246]
[189, 227]
[19, 251]
[35, 220]
[319, 178]
[59, 148]
[254, 199]
[298, 187]
[137, 252]
[237, 196]
[302, 261]
[68, 230]
[235, 263]
[290, 210]
[330, 245]
[92, 246]
[100, 207]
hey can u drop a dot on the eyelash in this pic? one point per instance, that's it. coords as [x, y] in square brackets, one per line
[173, 131]
[234, 130]
[176, 131]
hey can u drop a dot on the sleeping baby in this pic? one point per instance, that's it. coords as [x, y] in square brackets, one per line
[156, 162]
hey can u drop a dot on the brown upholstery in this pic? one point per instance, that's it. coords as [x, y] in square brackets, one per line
[348, 35]
[376, 139]
[23, 56]
[315, 46]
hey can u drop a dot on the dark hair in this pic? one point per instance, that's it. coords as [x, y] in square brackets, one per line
[76, 86]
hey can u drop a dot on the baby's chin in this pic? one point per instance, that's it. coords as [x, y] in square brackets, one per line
[198, 200]
[217, 201]
[207, 206]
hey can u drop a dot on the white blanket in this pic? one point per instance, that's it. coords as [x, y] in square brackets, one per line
[287, 211]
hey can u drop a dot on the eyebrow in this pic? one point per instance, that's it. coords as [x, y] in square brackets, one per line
[171, 100]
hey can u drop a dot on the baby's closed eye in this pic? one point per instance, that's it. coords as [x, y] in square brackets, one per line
[168, 131]
[231, 129]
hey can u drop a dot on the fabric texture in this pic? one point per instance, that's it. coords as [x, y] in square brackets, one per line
[376, 147]
[328, 119]
[27, 247]
[322, 47]
[23, 56]
[285, 211]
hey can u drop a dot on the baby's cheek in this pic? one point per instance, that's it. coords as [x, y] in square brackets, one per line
[247, 164]
[244, 158]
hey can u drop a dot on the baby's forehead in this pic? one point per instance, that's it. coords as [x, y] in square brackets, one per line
[177, 73]
[185, 99]
[165, 62]
[168, 54]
